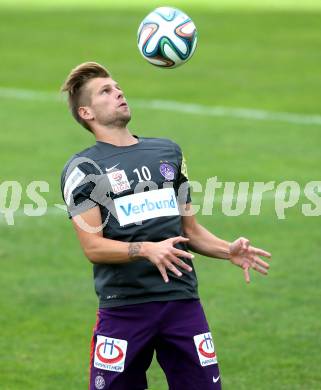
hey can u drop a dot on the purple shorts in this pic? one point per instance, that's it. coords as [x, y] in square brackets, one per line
[126, 337]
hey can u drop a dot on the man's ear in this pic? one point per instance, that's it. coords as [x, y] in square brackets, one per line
[85, 113]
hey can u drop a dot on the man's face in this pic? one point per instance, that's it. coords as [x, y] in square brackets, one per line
[107, 105]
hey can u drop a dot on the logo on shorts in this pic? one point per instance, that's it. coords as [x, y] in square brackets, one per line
[99, 382]
[205, 349]
[167, 171]
[110, 354]
[216, 379]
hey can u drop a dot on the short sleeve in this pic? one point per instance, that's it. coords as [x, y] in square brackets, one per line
[77, 185]
[182, 186]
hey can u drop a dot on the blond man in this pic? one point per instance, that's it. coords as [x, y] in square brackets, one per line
[129, 200]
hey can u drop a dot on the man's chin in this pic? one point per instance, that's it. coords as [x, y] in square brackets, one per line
[127, 116]
[120, 120]
[123, 119]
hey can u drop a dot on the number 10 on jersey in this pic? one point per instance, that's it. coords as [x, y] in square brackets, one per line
[143, 172]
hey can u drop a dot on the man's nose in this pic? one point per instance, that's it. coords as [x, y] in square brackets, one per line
[120, 93]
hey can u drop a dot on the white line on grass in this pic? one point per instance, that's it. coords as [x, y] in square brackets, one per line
[28, 94]
[187, 108]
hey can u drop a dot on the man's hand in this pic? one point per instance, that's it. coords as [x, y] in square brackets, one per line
[246, 257]
[164, 255]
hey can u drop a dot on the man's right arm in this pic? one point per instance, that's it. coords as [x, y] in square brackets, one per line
[101, 250]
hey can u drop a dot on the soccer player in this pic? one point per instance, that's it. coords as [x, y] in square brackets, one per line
[130, 205]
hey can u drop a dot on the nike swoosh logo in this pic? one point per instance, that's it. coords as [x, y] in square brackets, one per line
[216, 379]
[110, 169]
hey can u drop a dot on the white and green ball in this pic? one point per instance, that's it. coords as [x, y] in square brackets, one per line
[167, 37]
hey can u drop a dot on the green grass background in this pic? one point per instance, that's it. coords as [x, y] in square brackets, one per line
[251, 54]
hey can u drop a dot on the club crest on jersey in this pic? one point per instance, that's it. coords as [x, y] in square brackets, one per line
[205, 349]
[110, 354]
[167, 171]
[118, 181]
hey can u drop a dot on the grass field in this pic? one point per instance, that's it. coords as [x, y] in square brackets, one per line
[255, 57]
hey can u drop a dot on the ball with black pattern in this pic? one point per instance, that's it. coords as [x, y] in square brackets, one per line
[167, 37]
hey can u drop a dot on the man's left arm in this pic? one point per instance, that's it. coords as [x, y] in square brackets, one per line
[239, 252]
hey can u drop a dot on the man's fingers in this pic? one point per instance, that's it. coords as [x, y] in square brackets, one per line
[162, 270]
[245, 243]
[257, 268]
[172, 268]
[181, 263]
[261, 262]
[180, 253]
[241, 244]
[176, 240]
[246, 274]
[260, 252]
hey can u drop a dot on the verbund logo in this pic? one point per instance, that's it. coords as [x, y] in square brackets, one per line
[149, 206]
[146, 205]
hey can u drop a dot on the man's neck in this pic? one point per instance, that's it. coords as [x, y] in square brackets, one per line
[116, 136]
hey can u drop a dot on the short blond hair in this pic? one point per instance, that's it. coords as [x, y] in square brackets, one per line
[74, 86]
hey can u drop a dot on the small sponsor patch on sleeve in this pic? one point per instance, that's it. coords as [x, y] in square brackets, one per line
[72, 182]
[184, 167]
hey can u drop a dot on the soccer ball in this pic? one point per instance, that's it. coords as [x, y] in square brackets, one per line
[167, 37]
